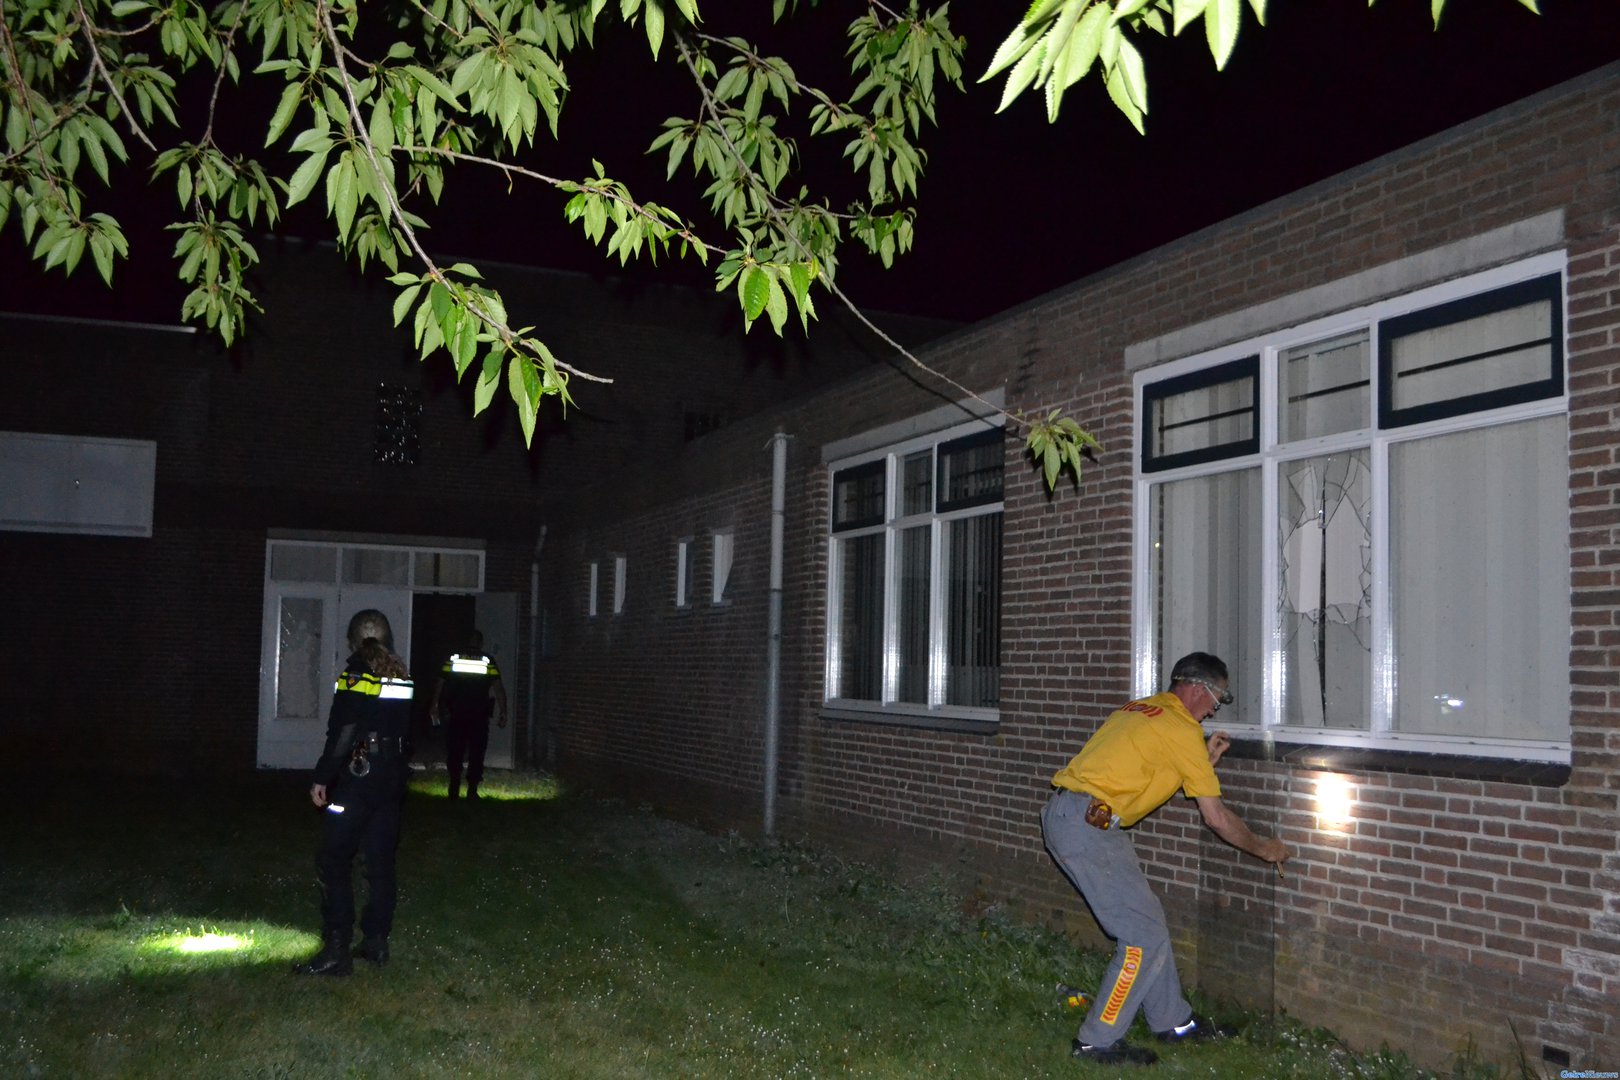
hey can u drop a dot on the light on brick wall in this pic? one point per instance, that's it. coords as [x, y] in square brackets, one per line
[1334, 798]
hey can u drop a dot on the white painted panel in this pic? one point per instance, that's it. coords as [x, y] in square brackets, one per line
[73, 484]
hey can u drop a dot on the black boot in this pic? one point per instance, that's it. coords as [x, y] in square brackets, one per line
[333, 959]
[472, 792]
[374, 949]
[455, 789]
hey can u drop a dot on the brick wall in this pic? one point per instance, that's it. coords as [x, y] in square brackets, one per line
[1446, 908]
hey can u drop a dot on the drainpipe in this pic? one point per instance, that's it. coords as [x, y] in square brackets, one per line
[773, 645]
[535, 742]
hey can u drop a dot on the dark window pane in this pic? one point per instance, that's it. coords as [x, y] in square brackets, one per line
[860, 619]
[858, 496]
[970, 470]
[973, 612]
[917, 483]
[915, 551]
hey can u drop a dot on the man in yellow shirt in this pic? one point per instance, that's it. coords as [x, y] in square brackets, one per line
[1130, 767]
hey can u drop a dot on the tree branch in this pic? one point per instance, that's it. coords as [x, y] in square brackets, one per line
[777, 219]
[89, 29]
[397, 212]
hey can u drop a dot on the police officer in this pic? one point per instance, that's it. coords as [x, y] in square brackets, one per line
[360, 784]
[1128, 768]
[469, 688]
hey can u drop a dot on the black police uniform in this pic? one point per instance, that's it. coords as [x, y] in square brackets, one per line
[465, 694]
[364, 768]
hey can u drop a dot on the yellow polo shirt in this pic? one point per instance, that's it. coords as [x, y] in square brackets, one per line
[1140, 756]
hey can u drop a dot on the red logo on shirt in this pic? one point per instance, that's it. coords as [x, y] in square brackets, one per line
[1144, 708]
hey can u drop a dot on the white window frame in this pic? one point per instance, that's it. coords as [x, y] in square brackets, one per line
[722, 553]
[621, 568]
[893, 524]
[414, 580]
[1151, 671]
[683, 572]
[590, 595]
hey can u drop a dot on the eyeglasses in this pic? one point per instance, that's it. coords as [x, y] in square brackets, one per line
[1221, 694]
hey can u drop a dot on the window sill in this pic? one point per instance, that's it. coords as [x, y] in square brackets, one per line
[962, 720]
[1409, 762]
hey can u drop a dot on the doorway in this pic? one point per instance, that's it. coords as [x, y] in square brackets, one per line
[313, 586]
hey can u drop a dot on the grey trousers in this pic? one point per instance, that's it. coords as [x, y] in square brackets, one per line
[1142, 976]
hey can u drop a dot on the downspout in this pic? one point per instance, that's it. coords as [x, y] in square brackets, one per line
[535, 630]
[773, 641]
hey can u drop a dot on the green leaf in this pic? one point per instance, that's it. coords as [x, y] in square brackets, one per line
[1084, 45]
[523, 386]
[655, 25]
[1129, 64]
[489, 381]
[284, 112]
[101, 251]
[1019, 42]
[1057, 41]
[1122, 99]
[776, 304]
[754, 290]
[1050, 461]
[1022, 75]
[1221, 21]
[402, 304]
[303, 179]
[1186, 11]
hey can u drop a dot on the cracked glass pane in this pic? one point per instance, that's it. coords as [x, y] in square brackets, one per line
[1326, 590]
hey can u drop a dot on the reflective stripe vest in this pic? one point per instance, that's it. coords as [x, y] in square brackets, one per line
[471, 665]
[368, 685]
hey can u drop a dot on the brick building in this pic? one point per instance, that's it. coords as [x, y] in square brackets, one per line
[206, 522]
[1361, 442]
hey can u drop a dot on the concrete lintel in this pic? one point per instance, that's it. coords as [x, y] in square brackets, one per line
[1532, 236]
[945, 416]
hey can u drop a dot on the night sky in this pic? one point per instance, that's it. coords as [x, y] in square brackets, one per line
[1011, 206]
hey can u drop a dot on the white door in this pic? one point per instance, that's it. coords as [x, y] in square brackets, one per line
[495, 615]
[296, 673]
[304, 647]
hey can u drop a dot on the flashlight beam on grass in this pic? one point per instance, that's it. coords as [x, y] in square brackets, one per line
[212, 943]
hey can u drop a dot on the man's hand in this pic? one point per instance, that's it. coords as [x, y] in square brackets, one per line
[317, 795]
[1274, 851]
[502, 721]
[1218, 744]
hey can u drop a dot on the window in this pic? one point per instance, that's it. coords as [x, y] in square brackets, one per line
[620, 568]
[419, 569]
[1367, 518]
[914, 597]
[721, 547]
[683, 572]
[590, 594]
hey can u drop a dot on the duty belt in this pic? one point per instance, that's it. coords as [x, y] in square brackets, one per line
[373, 745]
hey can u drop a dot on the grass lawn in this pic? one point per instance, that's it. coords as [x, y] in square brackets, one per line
[148, 929]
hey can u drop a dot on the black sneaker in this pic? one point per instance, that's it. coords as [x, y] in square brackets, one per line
[1197, 1029]
[1116, 1053]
